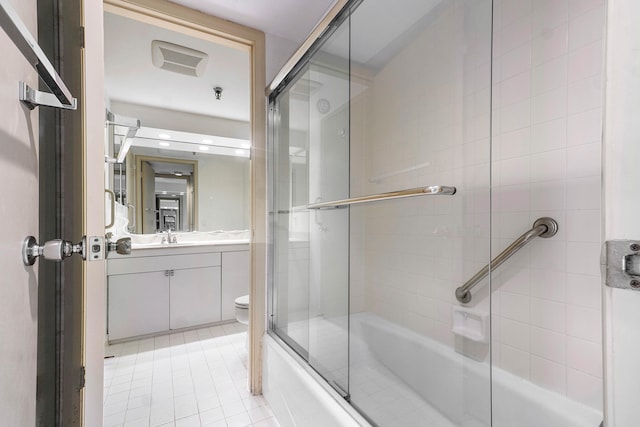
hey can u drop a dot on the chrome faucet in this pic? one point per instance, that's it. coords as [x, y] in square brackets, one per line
[169, 238]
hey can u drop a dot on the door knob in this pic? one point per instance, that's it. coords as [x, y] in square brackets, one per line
[58, 249]
[121, 246]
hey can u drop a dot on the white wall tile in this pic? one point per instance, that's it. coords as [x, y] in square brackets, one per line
[549, 345]
[584, 95]
[583, 193]
[548, 196]
[549, 106]
[584, 323]
[517, 116]
[585, 62]
[584, 160]
[549, 44]
[548, 14]
[548, 166]
[514, 144]
[584, 127]
[584, 388]
[583, 226]
[585, 291]
[548, 315]
[515, 62]
[514, 306]
[514, 334]
[583, 258]
[551, 135]
[516, 89]
[548, 374]
[585, 28]
[549, 75]
[585, 356]
[548, 284]
[515, 361]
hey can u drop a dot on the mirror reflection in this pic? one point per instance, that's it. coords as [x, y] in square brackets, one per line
[177, 140]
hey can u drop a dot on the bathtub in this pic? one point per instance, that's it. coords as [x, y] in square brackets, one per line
[398, 377]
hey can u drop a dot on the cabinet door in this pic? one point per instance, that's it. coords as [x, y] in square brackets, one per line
[235, 280]
[195, 297]
[138, 304]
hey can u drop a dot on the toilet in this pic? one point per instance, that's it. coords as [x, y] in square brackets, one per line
[242, 309]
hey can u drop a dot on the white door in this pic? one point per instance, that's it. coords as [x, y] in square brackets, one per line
[19, 209]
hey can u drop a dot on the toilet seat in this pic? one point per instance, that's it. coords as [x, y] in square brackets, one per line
[242, 302]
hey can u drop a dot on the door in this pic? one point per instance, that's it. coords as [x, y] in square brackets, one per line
[19, 302]
[195, 297]
[42, 310]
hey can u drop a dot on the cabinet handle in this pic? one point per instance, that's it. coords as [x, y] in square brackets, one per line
[166, 273]
[172, 273]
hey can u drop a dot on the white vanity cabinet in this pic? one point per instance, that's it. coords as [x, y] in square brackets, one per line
[194, 296]
[157, 290]
[138, 303]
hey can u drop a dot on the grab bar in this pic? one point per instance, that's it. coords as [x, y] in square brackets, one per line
[542, 227]
[112, 195]
[420, 191]
[27, 45]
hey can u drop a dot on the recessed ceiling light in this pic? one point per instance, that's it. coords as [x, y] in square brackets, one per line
[177, 173]
[238, 151]
[164, 135]
[182, 193]
[173, 195]
[164, 144]
[164, 192]
[207, 141]
[204, 148]
[246, 145]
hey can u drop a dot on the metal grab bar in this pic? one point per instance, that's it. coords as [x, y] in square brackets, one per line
[420, 191]
[542, 227]
[24, 41]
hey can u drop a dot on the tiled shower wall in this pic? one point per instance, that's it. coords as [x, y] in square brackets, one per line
[429, 107]
[546, 161]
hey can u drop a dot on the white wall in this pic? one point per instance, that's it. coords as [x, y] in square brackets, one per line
[223, 193]
[621, 196]
[19, 164]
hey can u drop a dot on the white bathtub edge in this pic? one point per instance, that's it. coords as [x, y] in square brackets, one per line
[288, 384]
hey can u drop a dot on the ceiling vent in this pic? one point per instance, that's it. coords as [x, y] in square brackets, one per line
[179, 59]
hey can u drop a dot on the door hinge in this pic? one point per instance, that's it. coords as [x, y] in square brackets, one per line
[82, 38]
[620, 264]
[83, 379]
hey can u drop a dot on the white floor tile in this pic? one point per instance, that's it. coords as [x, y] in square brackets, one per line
[193, 378]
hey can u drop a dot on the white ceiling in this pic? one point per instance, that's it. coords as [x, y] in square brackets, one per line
[289, 19]
[131, 77]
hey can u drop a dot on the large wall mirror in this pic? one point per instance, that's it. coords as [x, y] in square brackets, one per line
[177, 139]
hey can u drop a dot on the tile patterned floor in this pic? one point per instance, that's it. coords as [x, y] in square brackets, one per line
[194, 378]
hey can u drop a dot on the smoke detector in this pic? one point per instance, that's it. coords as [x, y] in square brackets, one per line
[179, 59]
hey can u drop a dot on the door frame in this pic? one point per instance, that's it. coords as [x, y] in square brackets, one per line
[181, 19]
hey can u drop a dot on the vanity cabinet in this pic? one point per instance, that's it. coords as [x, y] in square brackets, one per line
[194, 296]
[138, 303]
[155, 291]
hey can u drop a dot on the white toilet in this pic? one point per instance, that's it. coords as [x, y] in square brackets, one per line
[242, 309]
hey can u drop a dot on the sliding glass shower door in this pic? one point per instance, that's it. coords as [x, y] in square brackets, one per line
[393, 98]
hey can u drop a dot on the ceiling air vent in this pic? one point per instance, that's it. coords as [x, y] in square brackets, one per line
[179, 59]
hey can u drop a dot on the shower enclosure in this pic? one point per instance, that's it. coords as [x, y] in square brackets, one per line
[383, 202]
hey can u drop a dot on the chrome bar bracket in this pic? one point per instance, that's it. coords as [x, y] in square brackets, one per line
[620, 264]
[17, 31]
[34, 98]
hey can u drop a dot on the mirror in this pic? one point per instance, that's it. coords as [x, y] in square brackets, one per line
[177, 140]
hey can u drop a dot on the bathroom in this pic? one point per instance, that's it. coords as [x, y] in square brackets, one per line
[408, 148]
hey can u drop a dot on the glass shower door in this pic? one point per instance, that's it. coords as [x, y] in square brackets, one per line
[420, 116]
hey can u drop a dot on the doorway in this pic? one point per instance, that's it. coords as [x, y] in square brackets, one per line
[186, 21]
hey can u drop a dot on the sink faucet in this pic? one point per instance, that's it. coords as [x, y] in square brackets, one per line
[169, 238]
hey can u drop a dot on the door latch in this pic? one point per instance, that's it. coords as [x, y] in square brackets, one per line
[91, 249]
[620, 264]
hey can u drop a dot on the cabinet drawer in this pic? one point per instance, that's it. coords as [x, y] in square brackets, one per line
[160, 263]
